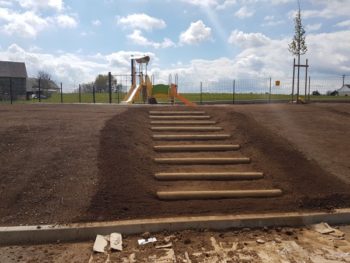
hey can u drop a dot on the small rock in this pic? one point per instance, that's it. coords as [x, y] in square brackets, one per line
[146, 235]
[278, 240]
[266, 228]
[246, 229]
[279, 229]
[260, 241]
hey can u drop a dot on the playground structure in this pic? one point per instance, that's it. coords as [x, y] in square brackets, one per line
[146, 91]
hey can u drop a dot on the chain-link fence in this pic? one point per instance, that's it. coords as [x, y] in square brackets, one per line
[228, 91]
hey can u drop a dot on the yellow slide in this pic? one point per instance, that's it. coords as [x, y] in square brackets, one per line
[132, 94]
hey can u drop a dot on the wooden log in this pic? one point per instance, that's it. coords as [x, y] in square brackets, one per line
[192, 195]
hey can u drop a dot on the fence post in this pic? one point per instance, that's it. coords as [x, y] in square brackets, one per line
[293, 80]
[79, 93]
[306, 71]
[39, 89]
[11, 99]
[61, 93]
[270, 90]
[309, 86]
[110, 87]
[93, 94]
[233, 91]
[118, 89]
[200, 95]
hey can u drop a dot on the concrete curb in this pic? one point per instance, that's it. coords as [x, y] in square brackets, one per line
[88, 231]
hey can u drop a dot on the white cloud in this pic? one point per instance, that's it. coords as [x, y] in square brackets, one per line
[26, 24]
[345, 23]
[260, 56]
[6, 3]
[71, 68]
[248, 40]
[328, 9]
[96, 22]
[223, 4]
[280, 2]
[201, 3]
[272, 21]
[141, 21]
[272, 59]
[137, 38]
[244, 12]
[196, 33]
[41, 4]
[226, 4]
[313, 27]
[66, 21]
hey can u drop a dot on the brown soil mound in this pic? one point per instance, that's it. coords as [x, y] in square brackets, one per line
[127, 187]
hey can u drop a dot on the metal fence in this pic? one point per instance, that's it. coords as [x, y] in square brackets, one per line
[228, 91]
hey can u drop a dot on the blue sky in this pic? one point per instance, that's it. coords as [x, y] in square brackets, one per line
[208, 40]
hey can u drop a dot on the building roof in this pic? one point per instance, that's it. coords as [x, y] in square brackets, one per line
[33, 85]
[9, 69]
[346, 87]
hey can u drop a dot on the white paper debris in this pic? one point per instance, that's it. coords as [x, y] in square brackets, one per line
[100, 244]
[146, 241]
[323, 228]
[116, 241]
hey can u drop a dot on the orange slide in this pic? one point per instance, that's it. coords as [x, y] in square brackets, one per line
[185, 101]
[181, 98]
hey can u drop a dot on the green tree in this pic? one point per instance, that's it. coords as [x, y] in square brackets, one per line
[298, 45]
[101, 83]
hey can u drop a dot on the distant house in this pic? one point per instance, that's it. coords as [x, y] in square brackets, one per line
[47, 87]
[14, 73]
[344, 91]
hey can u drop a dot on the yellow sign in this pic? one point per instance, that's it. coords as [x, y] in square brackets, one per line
[278, 83]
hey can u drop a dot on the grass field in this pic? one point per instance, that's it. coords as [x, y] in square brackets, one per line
[196, 97]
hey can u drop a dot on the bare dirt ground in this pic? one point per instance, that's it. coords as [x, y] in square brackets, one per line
[48, 157]
[270, 245]
[71, 163]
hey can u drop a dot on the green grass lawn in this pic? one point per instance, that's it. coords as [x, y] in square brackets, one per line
[195, 97]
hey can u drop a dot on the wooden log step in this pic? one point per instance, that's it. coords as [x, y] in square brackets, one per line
[176, 112]
[187, 128]
[196, 148]
[200, 160]
[190, 137]
[196, 195]
[182, 122]
[177, 117]
[222, 176]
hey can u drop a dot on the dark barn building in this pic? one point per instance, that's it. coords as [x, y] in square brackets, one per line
[13, 78]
